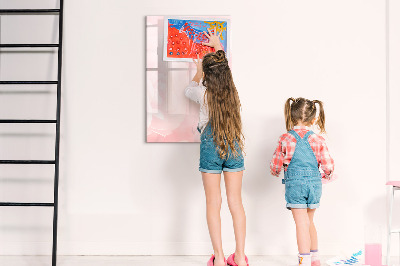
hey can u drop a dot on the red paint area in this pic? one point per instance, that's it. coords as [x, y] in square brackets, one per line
[181, 46]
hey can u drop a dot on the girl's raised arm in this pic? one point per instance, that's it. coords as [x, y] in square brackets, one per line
[199, 73]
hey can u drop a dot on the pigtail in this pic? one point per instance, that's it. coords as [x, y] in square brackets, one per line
[321, 116]
[288, 114]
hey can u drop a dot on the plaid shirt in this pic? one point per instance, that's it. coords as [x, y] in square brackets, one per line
[287, 144]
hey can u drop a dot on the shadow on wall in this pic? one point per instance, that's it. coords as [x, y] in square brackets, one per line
[375, 213]
[263, 193]
[185, 186]
[375, 219]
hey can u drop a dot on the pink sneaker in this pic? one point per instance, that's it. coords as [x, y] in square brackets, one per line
[231, 260]
[211, 261]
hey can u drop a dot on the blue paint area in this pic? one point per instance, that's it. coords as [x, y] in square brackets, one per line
[198, 26]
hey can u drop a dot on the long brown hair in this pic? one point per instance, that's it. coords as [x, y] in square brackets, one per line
[223, 104]
[303, 110]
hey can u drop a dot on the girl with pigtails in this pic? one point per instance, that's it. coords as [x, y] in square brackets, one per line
[302, 154]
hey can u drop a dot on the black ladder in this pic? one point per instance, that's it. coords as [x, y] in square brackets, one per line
[57, 82]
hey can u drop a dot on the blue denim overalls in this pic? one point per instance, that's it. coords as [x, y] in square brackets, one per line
[302, 181]
[211, 162]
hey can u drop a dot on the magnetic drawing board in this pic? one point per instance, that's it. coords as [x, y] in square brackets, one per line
[183, 37]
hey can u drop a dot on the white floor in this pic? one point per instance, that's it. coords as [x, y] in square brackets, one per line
[135, 260]
[143, 260]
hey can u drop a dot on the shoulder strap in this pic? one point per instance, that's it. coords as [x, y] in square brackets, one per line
[294, 133]
[309, 133]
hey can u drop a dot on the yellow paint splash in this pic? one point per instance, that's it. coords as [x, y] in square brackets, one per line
[219, 26]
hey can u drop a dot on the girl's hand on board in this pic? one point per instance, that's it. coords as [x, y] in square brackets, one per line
[213, 39]
[199, 66]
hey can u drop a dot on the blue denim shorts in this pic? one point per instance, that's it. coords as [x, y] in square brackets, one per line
[303, 193]
[210, 160]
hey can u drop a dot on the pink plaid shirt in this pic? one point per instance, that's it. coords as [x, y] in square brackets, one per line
[287, 144]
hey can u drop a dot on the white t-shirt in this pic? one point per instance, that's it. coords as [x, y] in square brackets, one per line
[196, 92]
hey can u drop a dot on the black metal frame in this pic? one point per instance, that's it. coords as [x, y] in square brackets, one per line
[57, 82]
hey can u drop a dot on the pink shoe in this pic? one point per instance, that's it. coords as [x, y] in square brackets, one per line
[211, 261]
[316, 263]
[231, 260]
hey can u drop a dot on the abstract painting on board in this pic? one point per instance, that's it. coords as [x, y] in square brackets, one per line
[183, 37]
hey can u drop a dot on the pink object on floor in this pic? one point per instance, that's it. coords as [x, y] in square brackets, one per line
[316, 263]
[231, 260]
[373, 254]
[211, 260]
[393, 183]
[333, 178]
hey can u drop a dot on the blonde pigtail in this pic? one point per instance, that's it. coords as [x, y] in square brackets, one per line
[321, 116]
[288, 114]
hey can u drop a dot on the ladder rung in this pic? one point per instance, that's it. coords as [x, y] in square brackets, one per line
[29, 204]
[26, 121]
[33, 45]
[27, 161]
[395, 231]
[29, 82]
[28, 11]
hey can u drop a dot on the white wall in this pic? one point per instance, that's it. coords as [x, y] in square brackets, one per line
[394, 109]
[120, 195]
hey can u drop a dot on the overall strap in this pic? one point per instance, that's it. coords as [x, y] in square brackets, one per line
[294, 133]
[309, 133]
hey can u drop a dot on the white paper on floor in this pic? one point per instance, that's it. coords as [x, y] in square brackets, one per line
[350, 258]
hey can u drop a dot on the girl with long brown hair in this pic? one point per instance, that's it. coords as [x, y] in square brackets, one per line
[302, 153]
[221, 147]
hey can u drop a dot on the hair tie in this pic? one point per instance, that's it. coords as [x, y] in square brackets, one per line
[219, 64]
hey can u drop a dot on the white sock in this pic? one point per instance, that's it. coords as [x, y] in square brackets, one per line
[314, 255]
[305, 260]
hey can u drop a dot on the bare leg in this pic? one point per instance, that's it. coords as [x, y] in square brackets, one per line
[212, 188]
[302, 221]
[313, 230]
[233, 183]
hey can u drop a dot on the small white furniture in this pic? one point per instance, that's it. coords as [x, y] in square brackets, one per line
[394, 185]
